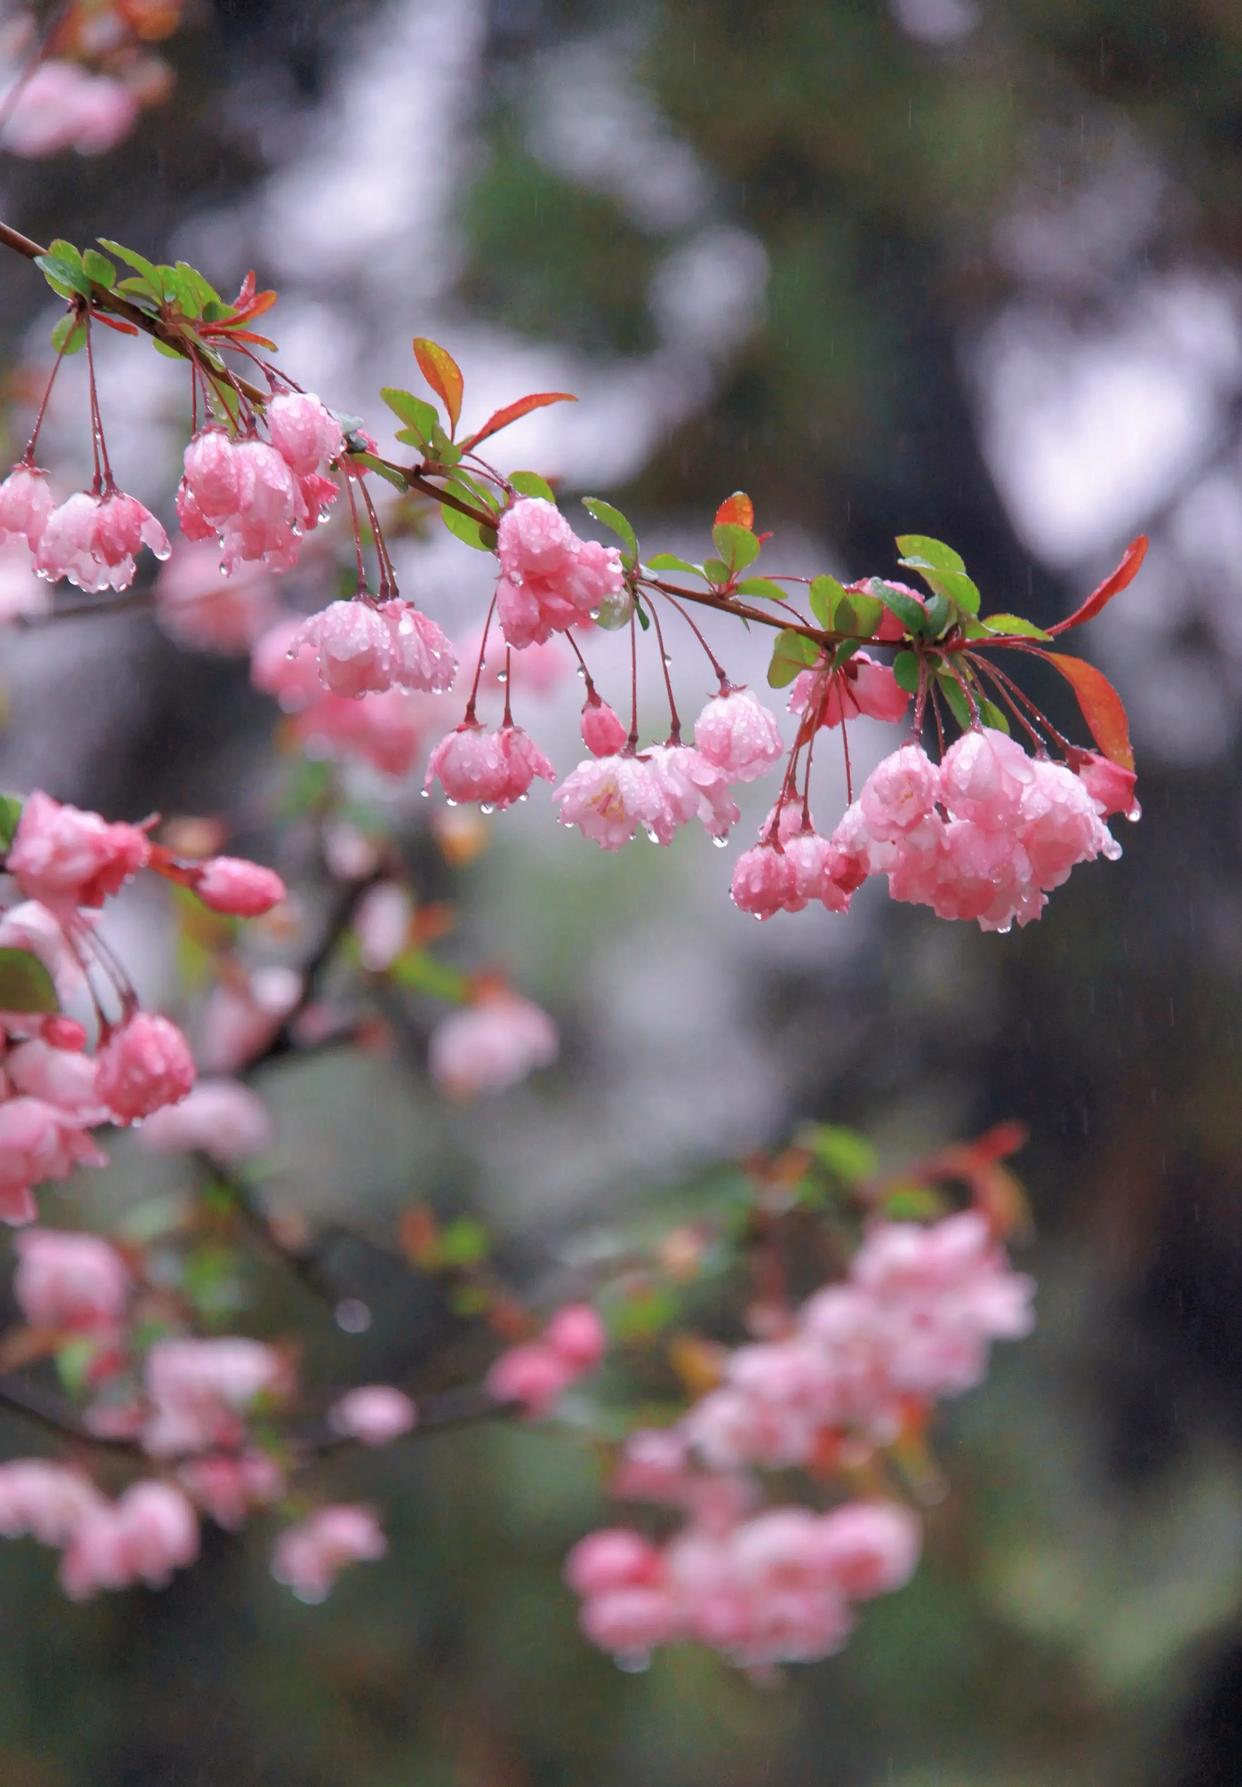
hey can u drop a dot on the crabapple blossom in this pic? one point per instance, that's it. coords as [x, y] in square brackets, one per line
[576, 1334]
[765, 881]
[200, 609]
[233, 885]
[491, 1045]
[228, 1486]
[145, 1064]
[860, 686]
[200, 1389]
[148, 1533]
[739, 735]
[61, 106]
[494, 768]
[692, 788]
[43, 1500]
[219, 1117]
[25, 504]
[365, 648]
[608, 798]
[550, 580]
[603, 734]
[374, 1415]
[1109, 784]
[37, 1142]
[303, 430]
[309, 1557]
[242, 1015]
[69, 1281]
[66, 858]
[92, 540]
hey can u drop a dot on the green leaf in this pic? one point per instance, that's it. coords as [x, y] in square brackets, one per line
[422, 973]
[940, 613]
[1016, 624]
[716, 572]
[845, 651]
[531, 484]
[762, 586]
[825, 594]
[920, 550]
[138, 262]
[858, 614]
[466, 529]
[166, 348]
[99, 268]
[462, 1243]
[10, 814]
[737, 546]
[25, 984]
[69, 333]
[908, 609]
[418, 415]
[669, 561]
[906, 671]
[842, 1151]
[378, 466]
[644, 619]
[955, 585]
[955, 695]
[66, 279]
[73, 1364]
[616, 522]
[790, 654]
[993, 716]
[200, 290]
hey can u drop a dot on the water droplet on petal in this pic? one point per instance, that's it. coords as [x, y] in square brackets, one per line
[720, 842]
[486, 807]
[448, 802]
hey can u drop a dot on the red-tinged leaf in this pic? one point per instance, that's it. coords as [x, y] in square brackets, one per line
[249, 335]
[1125, 573]
[736, 511]
[1102, 707]
[513, 412]
[113, 322]
[443, 374]
[260, 302]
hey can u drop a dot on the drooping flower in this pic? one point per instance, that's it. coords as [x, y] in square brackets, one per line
[550, 579]
[143, 1066]
[219, 1117]
[148, 1533]
[62, 106]
[602, 731]
[366, 648]
[303, 431]
[25, 504]
[764, 881]
[739, 735]
[309, 1557]
[74, 1282]
[374, 1414]
[200, 1391]
[860, 686]
[93, 540]
[243, 889]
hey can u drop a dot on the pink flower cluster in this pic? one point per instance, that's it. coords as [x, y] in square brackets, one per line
[860, 686]
[495, 769]
[309, 1556]
[536, 1374]
[912, 1322]
[550, 580]
[790, 867]
[914, 1319]
[93, 538]
[775, 1587]
[660, 789]
[149, 1532]
[984, 835]
[364, 648]
[258, 498]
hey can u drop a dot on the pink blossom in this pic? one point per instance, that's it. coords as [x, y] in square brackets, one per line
[364, 648]
[861, 686]
[92, 540]
[204, 611]
[61, 106]
[233, 885]
[612, 1558]
[608, 798]
[984, 777]
[25, 504]
[34, 927]
[387, 731]
[739, 735]
[65, 857]
[69, 1281]
[654, 1466]
[576, 1334]
[765, 881]
[213, 477]
[494, 768]
[602, 731]
[900, 791]
[491, 1045]
[287, 670]
[890, 628]
[1108, 784]
[221, 1118]
[691, 788]
[303, 431]
[145, 1064]
[58, 1072]
[146, 1535]
[630, 1621]
[815, 866]
[869, 1548]
[227, 1485]
[37, 1142]
[308, 1557]
[550, 579]
[43, 1500]
[533, 1376]
[382, 925]
[200, 1389]
[375, 1415]
[241, 1016]
[245, 492]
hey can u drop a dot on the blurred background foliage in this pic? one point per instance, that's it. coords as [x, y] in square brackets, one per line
[964, 267]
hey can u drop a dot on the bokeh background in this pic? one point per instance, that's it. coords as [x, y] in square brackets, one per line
[948, 266]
